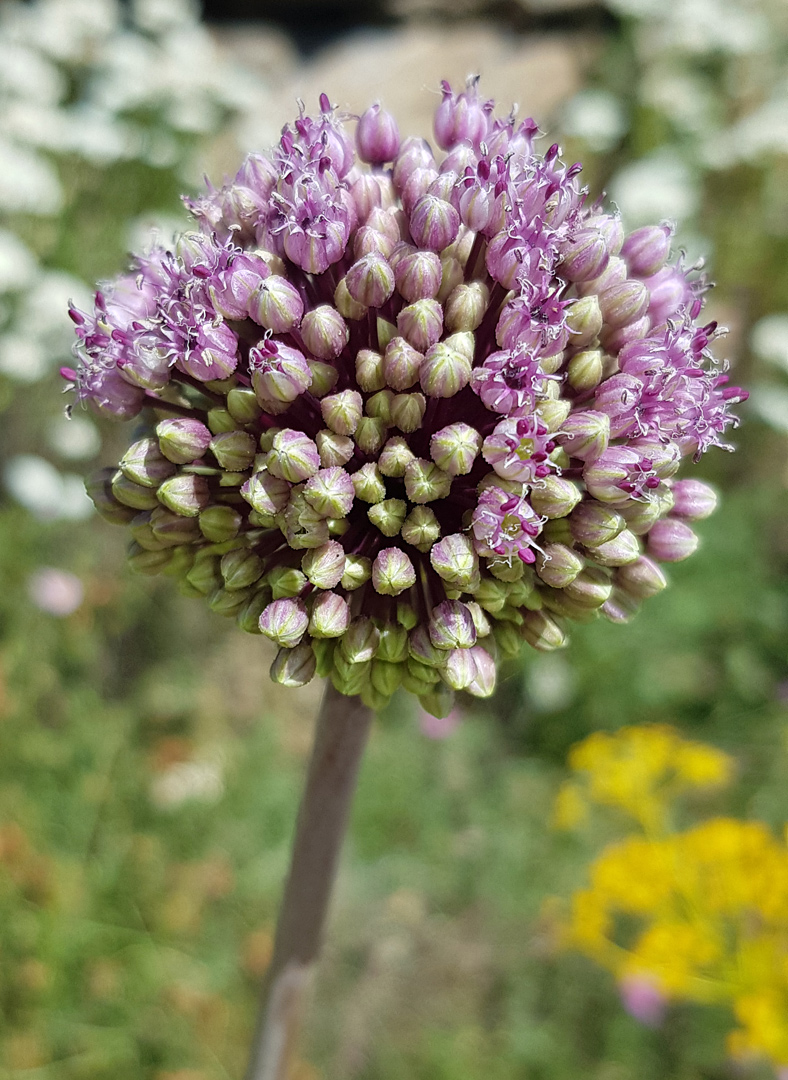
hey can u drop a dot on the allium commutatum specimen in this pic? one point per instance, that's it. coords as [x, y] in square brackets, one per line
[402, 413]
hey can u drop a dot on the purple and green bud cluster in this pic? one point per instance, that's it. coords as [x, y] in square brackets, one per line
[401, 411]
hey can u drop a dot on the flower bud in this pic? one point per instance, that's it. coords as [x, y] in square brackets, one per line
[358, 571]
[395, 457]
[421, 323]
[623, 304]
[646, 250]
[585, 434]
[542, 632]
[621, 608]
[418, 276]
[671, 541]
[555, 497]
[293, 455]
[346, 305]
[619, 551]
[434, 223]
[591, 588]
[330, 493]
[330, 616]
[593, 524]
[324, 332]
[584, 371]
[483, 683]
[584, 320]
[371, 432]
[240, 569]
[285, 622]
[360, 641]
[451, 626]
[368, 484]
[460, 669]
[342, 411]
[276, 305]
[335, 450]
[144, 463]
[185, 494]
[445, 371]
[324, 565]
[401, 364]
[439, 702]
[266, 493]
[392, 572]
[422, 651]
[379, 405]
[455, 448]
[234, 450]
[242, 405]
[641, 514]
[293, 667]
[421, 528]
[386, 677]
[349, 678]
[99, 489]
[219, 523]
[377, 136]
[454, 559]
[640, 579]
[388, 515]
[286, 581]
[369, 241]
[557, 565]
[204, 575]
[143, 561]
[370, 280]
[182, 440]
[425, 482]
[369, 371]
[248, 617]
[466, 306]
[220, 420]
[585, 257]
[615, 273]
[693, 499]
[418, 184]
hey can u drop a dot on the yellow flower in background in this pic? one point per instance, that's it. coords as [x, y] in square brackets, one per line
[698, 915]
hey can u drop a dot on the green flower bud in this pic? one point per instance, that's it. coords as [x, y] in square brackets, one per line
[385, 677]
[346, 305]
[324, 656]
[242, 405]
[330, 616]
[542, 632]
[350, 679]
[591, 588]
[413, 683]
[555, 497]
[421, 323]
[323, 378]
[466, 306]
[506, 571]
[219, 523]
[204, 576]
[285, 622]
[335, 450]
[342, 411]
[182, 440]
[455, 448]
[621, 608]
[401, 364]
[395, 457]
[446, 370]
[228, 603]
[388, 515]
[185, 494]
[554, 413]
[144, 463]
[131, 494]
[640, 514]
[453, 274]
[368, 484]
[358, 571]
[640, 579]
[584, 320]
[360, 640]
[220, 420]
[286, 581]
[407, 412]
[421, 528]
[585, 370]
[330, 493]
[379, 405]
[451, 626]
[480, 620]
[240, 569]
[276, 305]
[421, 649]
[393, 644]
[406, 615]
[99, 488]
[392, 572]
[460, 669]
[454, 560]
[491, 594]
[369, 371]
[173, 529]
[234, 450]
[325, 565]
[293, 667]
[373, 699]
[148, 562]
[267, 494]
[558, 603]
[623, 549]
[425, 482]
[585, 434]
[440, 702]
[557, 565]
[386, 331]
[143, 534]
[593, 524]
[507, 639]
[370, 434]
[248, 617]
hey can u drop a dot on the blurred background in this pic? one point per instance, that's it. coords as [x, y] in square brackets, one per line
[149, 772]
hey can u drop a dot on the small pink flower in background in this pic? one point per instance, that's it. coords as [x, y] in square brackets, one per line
[643, 1000]
[435, 727]
[57, 592]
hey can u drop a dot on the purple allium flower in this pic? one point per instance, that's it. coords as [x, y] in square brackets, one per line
[371, 387]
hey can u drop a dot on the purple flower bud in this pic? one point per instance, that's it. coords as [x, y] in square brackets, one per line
[584, 434]
[369, 241]
[369, 371]
[266, 493]
[145, 464]
[585, 257]
[434, 223]
[324, 565]
[611, 228]
[414, 153]
[279, 374]
[277, 305]
[388, 516]
[233, 291]
[623, 304]
[593, 524]
[445, 371]
[370, 281]
[693, 500]
[285, 622]
[401, 364]
[615, 273]
[671, 541]
[591, 588]
[342, 412]
[330, 493]
[425, 482]
[618, 475]
[334, 450]
[293, 456]
[324, 332]
[641, 579]
[185, 494]
[455, 448]
[646, 250]
[418, 276]
[330, 616]
[416, 187]
[453, 558]
[451, 626]
[421, 323]
[614, 340]
[483, 683]
[622, 549]
[462, 117]
[377, 136]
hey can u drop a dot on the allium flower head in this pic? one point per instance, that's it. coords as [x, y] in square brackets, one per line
[400, 413]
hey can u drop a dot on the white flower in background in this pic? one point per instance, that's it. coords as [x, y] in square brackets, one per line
[29, 184]
[49, 495]
[55, 592]
[187, 781]
[597, 117]
[74, 437]
[769, 340]
[660, 186]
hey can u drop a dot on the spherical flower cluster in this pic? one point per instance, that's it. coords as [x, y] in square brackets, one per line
[401, 413]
